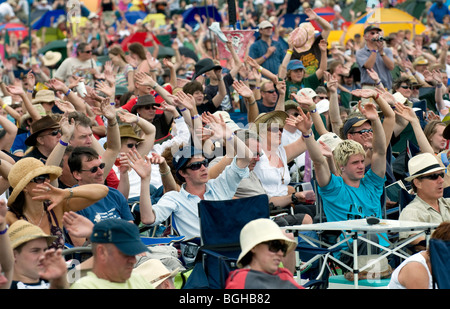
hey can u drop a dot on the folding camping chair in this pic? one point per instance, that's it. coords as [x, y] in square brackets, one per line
[440, 263]
[220, 226]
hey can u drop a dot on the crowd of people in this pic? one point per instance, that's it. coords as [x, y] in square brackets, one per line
[83, 139]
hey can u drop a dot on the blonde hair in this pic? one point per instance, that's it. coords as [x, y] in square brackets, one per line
[344, 150]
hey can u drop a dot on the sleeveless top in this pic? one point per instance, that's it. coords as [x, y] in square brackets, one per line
[55, 230]
[395, 284]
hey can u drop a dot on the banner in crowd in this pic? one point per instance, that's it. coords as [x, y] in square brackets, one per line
[240, 40]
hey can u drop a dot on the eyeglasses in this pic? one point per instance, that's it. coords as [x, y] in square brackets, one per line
[53, 133]
[276, 245]
[432, 176]
[131, 145]
[95, 168]
[197, 165]
[363, 131]
[40, 179]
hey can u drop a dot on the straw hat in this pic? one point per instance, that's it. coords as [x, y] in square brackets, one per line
[51, 58]
[279, 116]
[154, 271]
[23, 231]
[302, 38]
[422, 164]
[44, 96]
[259, 231]
[24, 170]
[39, 108]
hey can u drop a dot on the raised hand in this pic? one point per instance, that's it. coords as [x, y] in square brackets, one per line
[242, 89]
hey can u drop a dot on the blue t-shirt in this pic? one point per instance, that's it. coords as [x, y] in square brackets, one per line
[113, 205]
[342, 202]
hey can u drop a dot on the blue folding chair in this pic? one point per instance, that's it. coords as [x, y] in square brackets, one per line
[220, 226]
[440, 263]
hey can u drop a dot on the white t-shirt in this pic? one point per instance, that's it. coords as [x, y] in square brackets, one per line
[74, 66]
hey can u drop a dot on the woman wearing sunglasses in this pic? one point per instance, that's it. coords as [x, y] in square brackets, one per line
[35, 200]
[264, 248]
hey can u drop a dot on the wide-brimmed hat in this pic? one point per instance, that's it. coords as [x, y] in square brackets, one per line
[421, 60]
[51, 58]
[23, 231]
[422, 164]
[227, 119]
[44, 96]
[400, 98]
[203, 66]
[143, 100]
[259, 231]
[280, 117]
[353, 122]
[45, 123]
[330, 139]
[127, 130]
[123, 234]
[24, 170]
[154, 271]
[302, 38]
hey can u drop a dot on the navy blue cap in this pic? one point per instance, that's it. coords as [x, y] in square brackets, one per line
[182, 157]
[123, 234]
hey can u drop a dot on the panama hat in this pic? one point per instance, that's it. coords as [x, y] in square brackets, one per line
[143, 100]
[422, 164]
[51, 58]
[279, 116]
[45, 123]
[259, 231]
[302, 38]
[154, 271]
[44, 96]
[23, 231]
[24, 170]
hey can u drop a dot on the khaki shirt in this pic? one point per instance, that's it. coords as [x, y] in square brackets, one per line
[420, 211]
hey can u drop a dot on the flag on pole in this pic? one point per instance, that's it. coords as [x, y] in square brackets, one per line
[240, 40]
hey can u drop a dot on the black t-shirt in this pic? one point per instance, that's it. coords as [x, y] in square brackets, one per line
[311, 57]
[211, 92]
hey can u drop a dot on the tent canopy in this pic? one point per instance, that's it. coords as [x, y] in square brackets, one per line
[389, 20]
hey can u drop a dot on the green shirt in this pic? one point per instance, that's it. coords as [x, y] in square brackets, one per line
[91, 281]
[308, 82]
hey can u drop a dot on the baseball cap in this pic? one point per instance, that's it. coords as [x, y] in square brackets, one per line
[182, 157]
[123, 234]
[265, 24]
[370, 28]
[353, 122]
[294, 65]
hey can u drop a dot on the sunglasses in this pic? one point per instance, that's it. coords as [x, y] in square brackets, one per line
[432, 176]
[363, 131]
[95, 168]
[41, 178]
[406, 87]
[276, 245]
[53, 133]
[197, 165]
[88, 51]
[270, 91]
[148, 107]
[131, 145]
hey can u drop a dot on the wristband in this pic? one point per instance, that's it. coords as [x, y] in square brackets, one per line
[378, 83]
[4, 105]
[112, 103]
[30, 91]
[313, 111]
[254, 102]
[307, 136]
[154, 86]
[165, 173]
[4, 231]
[68, 92]
[257, 88]
[178, 117]
[195, 117]
[289, 52]
[63, 143]
[231, 137]
[264, 56]
[439, 85]
[70, 193]
[183, 109]
[374, 51]
[260, 69]
[378, 95]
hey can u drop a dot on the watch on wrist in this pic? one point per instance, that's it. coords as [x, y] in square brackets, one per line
[294, 198]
